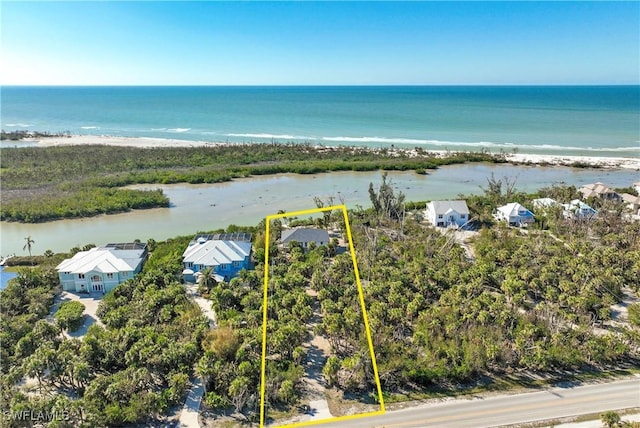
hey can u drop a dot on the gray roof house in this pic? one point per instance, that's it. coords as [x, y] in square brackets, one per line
[305, 236]
[225, 254]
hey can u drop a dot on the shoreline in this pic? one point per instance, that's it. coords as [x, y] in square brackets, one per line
[151, 142]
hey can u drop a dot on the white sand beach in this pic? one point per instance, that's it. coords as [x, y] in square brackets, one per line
[603, 162]
[145, 142]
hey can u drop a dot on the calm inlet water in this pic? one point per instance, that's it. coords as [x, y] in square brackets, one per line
[247, 201]
[5, 277]
[591, 120]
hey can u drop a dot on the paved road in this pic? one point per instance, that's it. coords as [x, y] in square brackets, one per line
[507, 409]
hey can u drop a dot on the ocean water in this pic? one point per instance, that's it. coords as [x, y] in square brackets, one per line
[5, 277]
[574, 120]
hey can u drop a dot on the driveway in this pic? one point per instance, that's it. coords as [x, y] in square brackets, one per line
[90, 303]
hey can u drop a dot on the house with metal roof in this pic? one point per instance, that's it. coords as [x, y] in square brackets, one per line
[226, 257]
[545, 203]
[514, 214]
[447, 213]
[101, 269]
[578, 210]
[305, 236]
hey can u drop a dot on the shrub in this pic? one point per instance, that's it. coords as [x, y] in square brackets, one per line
[69, 315]
[634, 314]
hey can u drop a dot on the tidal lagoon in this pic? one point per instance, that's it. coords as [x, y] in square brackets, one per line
[247, 201]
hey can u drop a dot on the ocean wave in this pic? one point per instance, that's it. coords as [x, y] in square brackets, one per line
[485, 144]
[90, 127]
[379, 140]
[179, 129]
[158, 129]
[272, 136]
[18, 125]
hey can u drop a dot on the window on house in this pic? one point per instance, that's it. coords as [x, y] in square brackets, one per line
[236, 264]
[189, 264]
[439, 215]
[224, 267]
[80, 276]
[463, 216]
[109, 276]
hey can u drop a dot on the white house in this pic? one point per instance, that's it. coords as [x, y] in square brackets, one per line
[545, 203]
[305, 236]
[578, 210]
[447, 213]
[101, 269]
[514, 214]
[226, 254]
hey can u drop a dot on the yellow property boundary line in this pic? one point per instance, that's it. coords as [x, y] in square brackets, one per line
[364, 317]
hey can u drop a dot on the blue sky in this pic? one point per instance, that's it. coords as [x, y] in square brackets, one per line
[319, 43]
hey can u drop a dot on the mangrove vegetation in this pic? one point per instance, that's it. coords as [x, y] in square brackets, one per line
[42, 184]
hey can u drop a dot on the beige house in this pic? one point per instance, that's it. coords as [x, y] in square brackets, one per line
[632, 202]
[598, 190]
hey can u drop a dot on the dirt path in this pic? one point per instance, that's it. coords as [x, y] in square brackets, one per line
[619, 311]
[461, 238]
[189, 416]
[317, 352]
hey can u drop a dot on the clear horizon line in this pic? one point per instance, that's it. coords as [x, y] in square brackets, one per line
[324, 85]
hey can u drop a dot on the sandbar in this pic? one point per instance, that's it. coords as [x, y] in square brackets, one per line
[148, 142]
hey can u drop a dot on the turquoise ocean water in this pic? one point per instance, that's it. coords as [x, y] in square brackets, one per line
[588, 120]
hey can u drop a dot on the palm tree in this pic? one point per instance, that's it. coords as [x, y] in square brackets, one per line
[207, 279]
[27, 246]
[610, 419]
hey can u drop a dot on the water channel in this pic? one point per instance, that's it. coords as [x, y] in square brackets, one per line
[247, 201]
